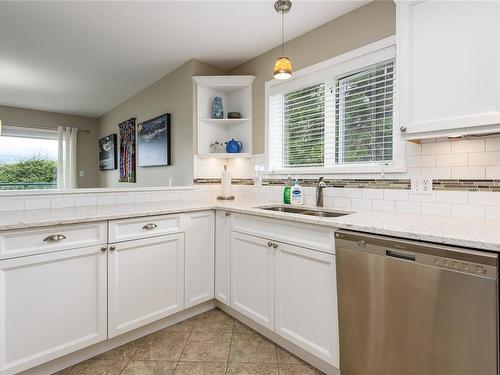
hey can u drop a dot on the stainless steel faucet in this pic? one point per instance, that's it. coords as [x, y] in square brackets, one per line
[319, 192]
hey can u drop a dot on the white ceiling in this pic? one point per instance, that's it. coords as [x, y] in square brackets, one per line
[86, 57]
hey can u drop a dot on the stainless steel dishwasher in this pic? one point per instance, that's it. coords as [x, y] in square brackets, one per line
[414, 308]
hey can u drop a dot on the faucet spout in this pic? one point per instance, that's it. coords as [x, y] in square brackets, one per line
[319, 192]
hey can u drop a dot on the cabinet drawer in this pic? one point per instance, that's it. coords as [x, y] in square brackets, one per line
[16, 243]
[144, 227]
[304, 235]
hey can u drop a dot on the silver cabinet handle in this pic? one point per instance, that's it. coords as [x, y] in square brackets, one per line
[275, 245]
[104, 248]
[112, 248]
[150, 226]
[402, 129]
[269, 244]
[55, 237]
[227, 214]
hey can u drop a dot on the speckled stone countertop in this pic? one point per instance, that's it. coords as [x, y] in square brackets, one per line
[472, 233]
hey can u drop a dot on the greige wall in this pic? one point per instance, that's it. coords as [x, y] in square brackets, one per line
[174, 94]
[86, 147]
[362, 26]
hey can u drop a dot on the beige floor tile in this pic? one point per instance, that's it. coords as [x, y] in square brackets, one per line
[64, 371]
[213, 321]
[239, 327]
[252, 348]
[284, 356]
[200, 368]
[291, 369]
[184, 326]
[161, 346]
[149, 368]
[98, 367]
[122, 353]
[207, 347]
[252, 369]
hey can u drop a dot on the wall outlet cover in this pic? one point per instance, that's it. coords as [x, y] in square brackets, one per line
[421, 185]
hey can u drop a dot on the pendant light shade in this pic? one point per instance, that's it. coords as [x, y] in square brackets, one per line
[282, 68]
[283, 65]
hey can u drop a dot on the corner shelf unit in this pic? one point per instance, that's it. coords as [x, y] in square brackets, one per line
[236, 94]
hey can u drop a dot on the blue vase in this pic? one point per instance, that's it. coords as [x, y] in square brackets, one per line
[217, 112]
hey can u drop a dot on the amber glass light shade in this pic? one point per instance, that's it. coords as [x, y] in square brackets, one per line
[282, 68]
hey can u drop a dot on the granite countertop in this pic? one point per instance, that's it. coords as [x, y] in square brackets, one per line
[472, 233]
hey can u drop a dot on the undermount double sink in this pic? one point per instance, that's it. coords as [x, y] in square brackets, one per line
[305, 211]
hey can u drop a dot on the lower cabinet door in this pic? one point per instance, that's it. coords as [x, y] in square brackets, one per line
[252, 278]
[306, 301]
[199, 277]
[145, 281]
[223, 257]
[51, 305]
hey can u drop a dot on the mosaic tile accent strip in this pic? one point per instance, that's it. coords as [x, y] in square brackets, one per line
[403, 184]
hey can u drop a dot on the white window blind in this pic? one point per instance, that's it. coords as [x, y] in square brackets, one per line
[364, 115]
[344, 119]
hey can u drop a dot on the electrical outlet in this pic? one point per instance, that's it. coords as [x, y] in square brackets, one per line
[82, 173]
[421, 185]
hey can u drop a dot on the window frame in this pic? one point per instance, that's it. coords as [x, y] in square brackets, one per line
[335, 68]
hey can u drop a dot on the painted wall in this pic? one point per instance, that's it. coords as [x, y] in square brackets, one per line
[362, 26]
[86, 146]
[173, 93]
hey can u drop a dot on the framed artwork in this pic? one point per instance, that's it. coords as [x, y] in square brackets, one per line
[107, 153]
[153, 140]
[127, 150]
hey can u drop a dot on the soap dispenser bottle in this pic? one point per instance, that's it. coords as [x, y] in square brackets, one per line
[297, 194]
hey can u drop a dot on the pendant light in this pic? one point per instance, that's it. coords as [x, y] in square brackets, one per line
[283, 65]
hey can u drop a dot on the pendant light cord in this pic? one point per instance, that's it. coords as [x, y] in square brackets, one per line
[282, 32]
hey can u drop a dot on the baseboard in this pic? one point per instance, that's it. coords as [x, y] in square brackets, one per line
[292, 348]
[84, 354]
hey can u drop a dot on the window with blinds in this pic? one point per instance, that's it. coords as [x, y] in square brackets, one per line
[342, 120]
[363, 116]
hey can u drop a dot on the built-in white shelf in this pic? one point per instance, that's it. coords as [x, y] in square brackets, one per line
[225, 121]
[236, 94]
[225, 155]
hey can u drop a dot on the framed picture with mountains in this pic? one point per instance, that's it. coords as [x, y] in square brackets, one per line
[153, 142]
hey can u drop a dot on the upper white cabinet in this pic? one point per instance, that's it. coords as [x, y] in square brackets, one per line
[51, 305]
[448, 64]
[145, 281]
[199, 274]
[236, 95]
[223, 257]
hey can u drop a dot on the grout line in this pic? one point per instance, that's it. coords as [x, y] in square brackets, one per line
[185, 344]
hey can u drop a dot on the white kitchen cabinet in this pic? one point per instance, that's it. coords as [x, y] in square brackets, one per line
[306, 301]
[199, 263]
[448, 67]
[145, 281]
[51, 305]
[223, 257]
[252, 278]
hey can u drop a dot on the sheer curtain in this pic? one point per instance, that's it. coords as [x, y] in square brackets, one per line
[66, 166]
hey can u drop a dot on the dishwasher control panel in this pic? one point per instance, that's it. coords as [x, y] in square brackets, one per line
[457, 265]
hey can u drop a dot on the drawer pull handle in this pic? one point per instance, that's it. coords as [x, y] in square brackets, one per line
[227, 214]
[112, 248]
[275, 245]
[150, 226]
[269, 244]
[104, 248]
[55, 237]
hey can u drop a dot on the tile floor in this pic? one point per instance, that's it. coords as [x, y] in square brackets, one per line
[212, 343]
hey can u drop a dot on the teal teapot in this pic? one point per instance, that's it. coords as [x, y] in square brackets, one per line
[233, 146]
